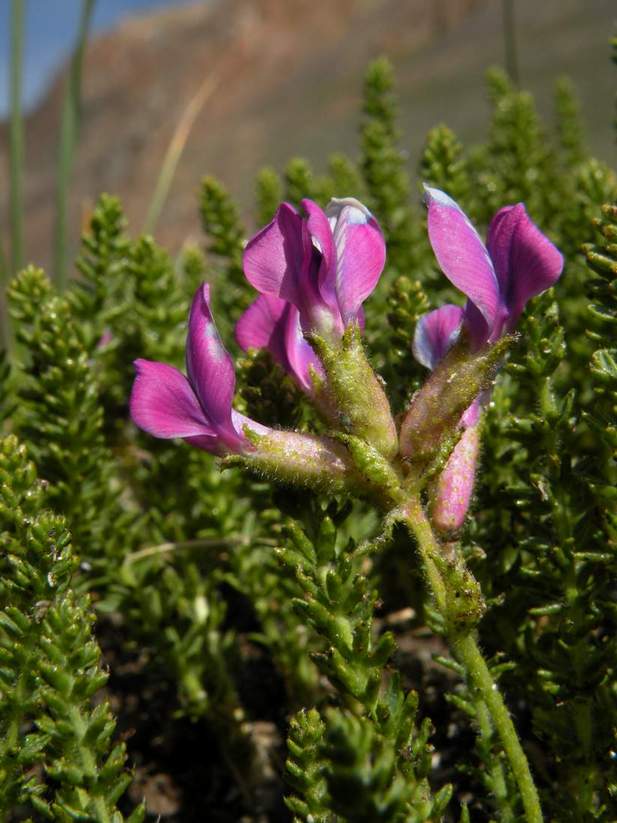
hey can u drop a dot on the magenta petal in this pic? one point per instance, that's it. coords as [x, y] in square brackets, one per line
[164, 404]
[212, 444]
[241, 420]
[360, 254]
[463, 258]
[273, 258]
[478, 328]
[526, 261]
[210, 367]
[436, 332]
[471, 415]
[273, 324]
[261, 327]
[361, 318]
[321, 235]
[215, 445]
[300, 356]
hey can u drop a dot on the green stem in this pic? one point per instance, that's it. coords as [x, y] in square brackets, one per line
[429, 549]
[16, 135]
[466, 651]
[68, 143]
[497, 774]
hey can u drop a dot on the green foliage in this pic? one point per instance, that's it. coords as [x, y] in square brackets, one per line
[255, 607]
[602, 260]
[60, 415]
[188, 611]
[363, 778]
[383, 166]
[268, 394]
[6, 408]
[569, 126]
[407, 302]
[345, 177]
[443, 164]
[490, 769]
[301, 182]
[614, 57]
[57, 755]
[304, 770]
[97, 294]
[150, 325]
[550, 567]
[388, 189]
[375, 759]
[269, 193]
[224, 236]
[515, 165]
[192, 268]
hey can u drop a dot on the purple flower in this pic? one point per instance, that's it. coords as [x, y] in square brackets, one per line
[517, 263]
[324, 264]
[273, 324]
[198, 409]
[436, 332]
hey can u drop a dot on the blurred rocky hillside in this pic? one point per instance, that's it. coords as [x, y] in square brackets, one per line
[285, 79]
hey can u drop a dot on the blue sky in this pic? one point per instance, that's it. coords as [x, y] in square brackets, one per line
[51, 27]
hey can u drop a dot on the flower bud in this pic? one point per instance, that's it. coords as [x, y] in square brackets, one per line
[454, 486]
[436, 409]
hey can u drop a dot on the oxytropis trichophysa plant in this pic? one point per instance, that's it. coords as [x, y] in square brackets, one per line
[313, 270]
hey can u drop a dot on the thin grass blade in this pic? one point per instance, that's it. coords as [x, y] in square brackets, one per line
[16, 138]
[175, 149]
[69, 134]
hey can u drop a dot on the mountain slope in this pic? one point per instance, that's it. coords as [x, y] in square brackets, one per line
[286, 80]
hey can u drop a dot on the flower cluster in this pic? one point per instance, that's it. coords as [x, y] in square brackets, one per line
[517, 263]
[313, 271]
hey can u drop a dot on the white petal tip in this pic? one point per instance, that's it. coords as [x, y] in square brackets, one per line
[357, 211]
[438, 196]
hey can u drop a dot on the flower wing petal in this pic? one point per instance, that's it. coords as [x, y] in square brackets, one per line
[164, 404]
[273, 257]
[360, 254]
[435, 333]
[464, 259]
[260, 327]
[526, 261]
[300, 356]
[321, 235]
[210, 368]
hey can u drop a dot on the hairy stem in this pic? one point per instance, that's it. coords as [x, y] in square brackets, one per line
[465, 649]
[497, 775]
[429, 549]
[467, 652]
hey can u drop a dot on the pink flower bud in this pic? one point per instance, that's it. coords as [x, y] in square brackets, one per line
[454, 486]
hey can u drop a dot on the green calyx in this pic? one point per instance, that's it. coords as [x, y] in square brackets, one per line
[362, 408]
[378, 474]
[435, 410]
[465, 605]
[299, 459]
